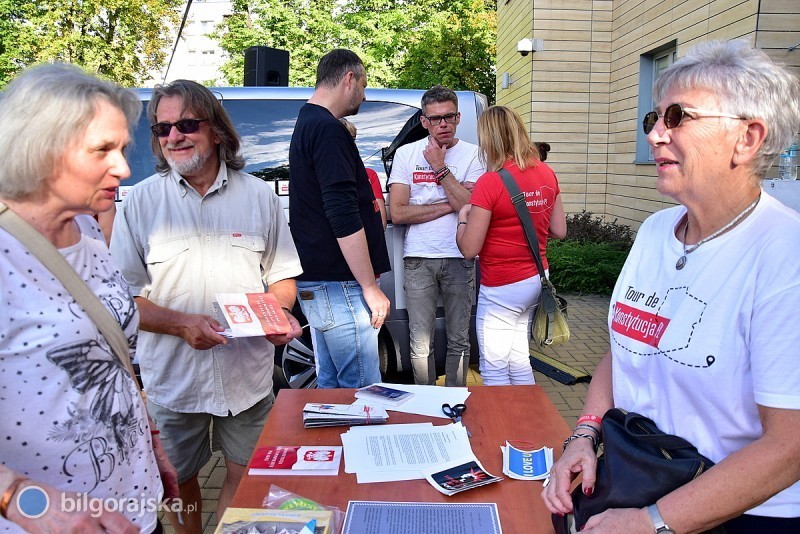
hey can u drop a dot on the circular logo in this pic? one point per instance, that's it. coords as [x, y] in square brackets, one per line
[33, 502]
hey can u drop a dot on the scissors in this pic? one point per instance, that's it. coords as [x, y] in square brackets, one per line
[455, 412]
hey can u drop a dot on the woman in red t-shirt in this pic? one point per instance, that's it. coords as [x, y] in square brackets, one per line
[489, 227]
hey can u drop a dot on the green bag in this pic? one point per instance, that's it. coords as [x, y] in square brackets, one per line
[549, 325]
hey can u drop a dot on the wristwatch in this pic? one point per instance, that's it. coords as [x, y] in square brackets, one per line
[658, 521]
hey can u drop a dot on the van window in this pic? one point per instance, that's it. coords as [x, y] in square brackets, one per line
[266, 127]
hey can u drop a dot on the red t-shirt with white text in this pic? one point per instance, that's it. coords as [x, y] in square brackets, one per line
[505, 257]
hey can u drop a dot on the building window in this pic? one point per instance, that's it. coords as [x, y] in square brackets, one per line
[651, 65]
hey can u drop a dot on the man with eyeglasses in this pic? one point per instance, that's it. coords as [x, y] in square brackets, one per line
[430, 182]
[181, 236]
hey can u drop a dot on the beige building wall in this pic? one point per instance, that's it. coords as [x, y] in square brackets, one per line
[581, 93]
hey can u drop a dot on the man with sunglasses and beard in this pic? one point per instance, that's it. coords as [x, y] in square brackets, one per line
[431, 181]
[198, 227]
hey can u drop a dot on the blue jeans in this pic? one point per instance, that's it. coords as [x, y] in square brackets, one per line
[425, 279]
[345, 344]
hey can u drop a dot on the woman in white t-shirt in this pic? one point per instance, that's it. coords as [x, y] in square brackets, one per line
[703, 319]
[78, 451]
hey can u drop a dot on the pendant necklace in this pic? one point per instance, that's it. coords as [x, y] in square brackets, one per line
[688, 250]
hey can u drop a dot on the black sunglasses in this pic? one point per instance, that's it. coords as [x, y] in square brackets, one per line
[436, 120]
[184, 126]
[675, 113]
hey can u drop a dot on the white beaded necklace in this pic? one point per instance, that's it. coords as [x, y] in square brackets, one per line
[688, 250]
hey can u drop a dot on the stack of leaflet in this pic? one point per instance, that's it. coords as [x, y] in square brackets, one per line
[316, 415]
[460, 475]
[389, 453]
[384, 394]
[527, 463]
[296, 460]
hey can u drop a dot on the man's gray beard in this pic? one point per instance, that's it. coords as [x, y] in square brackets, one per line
[191, 166]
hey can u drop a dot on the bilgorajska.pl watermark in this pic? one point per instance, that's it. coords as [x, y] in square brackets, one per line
[33, 502]
[128, 506]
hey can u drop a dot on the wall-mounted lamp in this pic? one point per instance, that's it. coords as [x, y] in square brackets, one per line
[526, 46]
[506, 80]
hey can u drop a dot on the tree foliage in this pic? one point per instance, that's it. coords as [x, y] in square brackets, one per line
[123, 40]
[412, 43]
[456, 49]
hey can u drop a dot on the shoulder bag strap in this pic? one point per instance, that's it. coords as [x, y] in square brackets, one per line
[52, 259]
[518, 199]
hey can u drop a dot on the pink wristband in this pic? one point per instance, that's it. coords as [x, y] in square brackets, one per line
[591, 418]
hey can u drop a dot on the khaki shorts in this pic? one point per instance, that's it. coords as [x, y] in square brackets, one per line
[186, 440]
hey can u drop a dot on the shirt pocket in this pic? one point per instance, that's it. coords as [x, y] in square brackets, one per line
[168, 264]
[244, 267]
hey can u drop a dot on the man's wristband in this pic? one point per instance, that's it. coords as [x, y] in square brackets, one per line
[5, 500]
[441, 173]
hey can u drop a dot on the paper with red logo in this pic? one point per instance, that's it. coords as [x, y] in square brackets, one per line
[296, 460]
[252, 314]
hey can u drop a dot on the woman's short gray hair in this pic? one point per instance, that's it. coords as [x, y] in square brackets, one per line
[749, 85]
[43, 112]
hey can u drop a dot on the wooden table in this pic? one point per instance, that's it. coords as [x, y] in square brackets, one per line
[495, 414]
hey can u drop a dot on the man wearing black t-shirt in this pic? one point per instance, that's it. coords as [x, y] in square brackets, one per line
[337, 232]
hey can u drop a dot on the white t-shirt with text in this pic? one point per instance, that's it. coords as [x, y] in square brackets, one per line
[436, 238]
[698, 349]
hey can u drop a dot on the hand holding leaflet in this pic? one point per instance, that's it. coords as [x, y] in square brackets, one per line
[252, 314]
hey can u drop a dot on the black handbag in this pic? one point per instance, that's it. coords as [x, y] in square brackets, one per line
[549, 325]
[639, 465]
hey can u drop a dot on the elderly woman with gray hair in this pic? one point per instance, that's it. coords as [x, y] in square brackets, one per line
[78, 452]
[719, 277]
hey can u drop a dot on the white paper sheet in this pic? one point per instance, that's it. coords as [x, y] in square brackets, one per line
[401, 452]
[464, 518]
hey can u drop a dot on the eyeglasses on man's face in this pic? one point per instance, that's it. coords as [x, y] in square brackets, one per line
[436, 120]
[675, 113]
[184, 126]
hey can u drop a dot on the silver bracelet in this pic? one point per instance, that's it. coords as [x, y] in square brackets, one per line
[588, 427]
[573, 437]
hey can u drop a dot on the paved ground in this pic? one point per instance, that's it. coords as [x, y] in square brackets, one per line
[588, 342]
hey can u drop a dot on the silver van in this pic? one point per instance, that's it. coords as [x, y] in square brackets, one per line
[265, 118]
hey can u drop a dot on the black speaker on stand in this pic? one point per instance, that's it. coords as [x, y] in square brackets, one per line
[266, 66]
